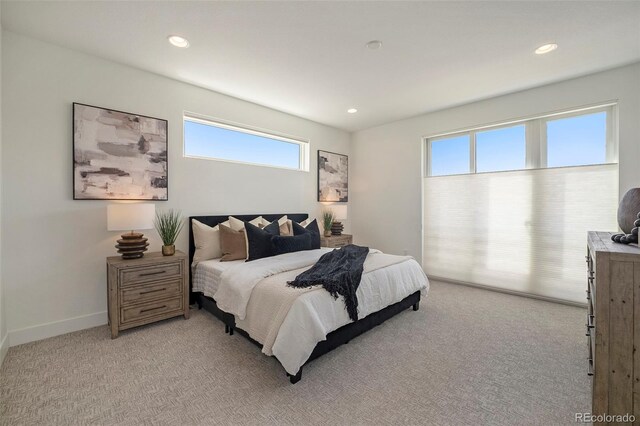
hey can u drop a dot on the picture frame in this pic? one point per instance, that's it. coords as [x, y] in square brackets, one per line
[333, 177]
[119, 155]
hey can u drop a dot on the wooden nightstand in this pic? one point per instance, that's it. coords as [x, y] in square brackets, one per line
[336, 241]
[145, 290]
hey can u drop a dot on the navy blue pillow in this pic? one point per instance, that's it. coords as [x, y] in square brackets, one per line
[312, 228]
[259, 240]
[291, 244]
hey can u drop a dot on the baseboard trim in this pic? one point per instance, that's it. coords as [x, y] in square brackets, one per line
[56, 328]
[4, 348]
[512, 292]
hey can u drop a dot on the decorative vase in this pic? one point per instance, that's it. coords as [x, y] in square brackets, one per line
[628, 210]
[327, 232]
[169, 250]
[337, 228]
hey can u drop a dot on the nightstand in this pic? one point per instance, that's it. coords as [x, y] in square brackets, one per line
[145, 290]
[336, 241]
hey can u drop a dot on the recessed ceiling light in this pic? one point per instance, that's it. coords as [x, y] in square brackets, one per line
[178, 41]
[374, 44]
[352, 110]
[546, 48]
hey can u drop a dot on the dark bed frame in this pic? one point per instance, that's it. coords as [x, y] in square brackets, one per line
[334, 339]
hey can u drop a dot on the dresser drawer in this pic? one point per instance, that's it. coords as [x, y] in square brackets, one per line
[138, 312]
[149, 273]
[152, 291]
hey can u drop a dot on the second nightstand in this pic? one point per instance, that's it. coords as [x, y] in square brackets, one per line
[336, 241]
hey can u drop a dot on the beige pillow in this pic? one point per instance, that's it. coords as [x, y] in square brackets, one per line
[207, 241]
[237, 225]
[232, 244]
[286, 228]
[305, 222]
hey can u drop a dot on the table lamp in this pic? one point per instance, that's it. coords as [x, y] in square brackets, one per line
[130, 217]
[339, 214]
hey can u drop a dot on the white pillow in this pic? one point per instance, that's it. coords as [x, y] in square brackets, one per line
[305, 222]
[207, 241]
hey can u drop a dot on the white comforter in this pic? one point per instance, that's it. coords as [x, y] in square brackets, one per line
[386, 279]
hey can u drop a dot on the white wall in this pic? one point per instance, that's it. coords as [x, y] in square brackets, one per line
[4, 342]
[54, 247]
[386, 174]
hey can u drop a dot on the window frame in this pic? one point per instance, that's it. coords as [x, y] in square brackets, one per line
[535, 139]
[304, 145]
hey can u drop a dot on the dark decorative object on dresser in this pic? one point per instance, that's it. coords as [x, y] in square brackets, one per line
[630, 238]
[628, 209]
[130, 217]
[118, 155]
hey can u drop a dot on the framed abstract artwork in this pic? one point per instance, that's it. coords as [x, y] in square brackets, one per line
[118, 155]
[333, 177]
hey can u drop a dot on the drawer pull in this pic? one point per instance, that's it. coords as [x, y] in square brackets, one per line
[152, 291]
[153, 309]
[146, 274]
[590, 321]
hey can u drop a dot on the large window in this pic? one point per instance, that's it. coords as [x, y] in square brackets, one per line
[574, 138]
[219, 141]
[523, 229]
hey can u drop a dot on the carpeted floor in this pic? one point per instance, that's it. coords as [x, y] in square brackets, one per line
[467, 357]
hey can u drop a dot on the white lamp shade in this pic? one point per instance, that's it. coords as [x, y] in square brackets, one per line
[130, 217]
[339, 211]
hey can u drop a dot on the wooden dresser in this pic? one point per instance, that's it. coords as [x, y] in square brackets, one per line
[151, 288]
[336, 241]
[613, 325]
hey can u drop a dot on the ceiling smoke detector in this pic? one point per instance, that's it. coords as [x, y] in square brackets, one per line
[374, 44]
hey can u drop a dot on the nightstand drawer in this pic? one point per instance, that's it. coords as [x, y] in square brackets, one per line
[149, 273]
[145, 293]
[138, 312]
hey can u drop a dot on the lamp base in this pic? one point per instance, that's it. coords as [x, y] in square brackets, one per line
[336, 228]
[132, 245]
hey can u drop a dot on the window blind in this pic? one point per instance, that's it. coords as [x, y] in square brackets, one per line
[523, 230]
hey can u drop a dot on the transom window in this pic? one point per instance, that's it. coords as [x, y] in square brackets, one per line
[574, 138]
[208, 139]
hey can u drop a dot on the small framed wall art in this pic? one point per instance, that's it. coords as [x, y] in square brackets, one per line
[333, 177]
[118, 155]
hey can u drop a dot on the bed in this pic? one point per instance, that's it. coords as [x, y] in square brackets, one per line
[298, 325]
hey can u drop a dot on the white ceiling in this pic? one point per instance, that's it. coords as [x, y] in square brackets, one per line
[309, 58]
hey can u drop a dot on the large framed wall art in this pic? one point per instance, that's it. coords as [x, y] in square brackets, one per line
[118, 155]
[333, 177]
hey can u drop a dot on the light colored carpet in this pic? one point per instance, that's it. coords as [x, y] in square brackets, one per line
[467, 357]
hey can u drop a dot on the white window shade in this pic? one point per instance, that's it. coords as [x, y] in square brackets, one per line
[523, 231]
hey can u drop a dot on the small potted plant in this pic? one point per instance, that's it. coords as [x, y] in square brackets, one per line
[168, 224]
[327, 221]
